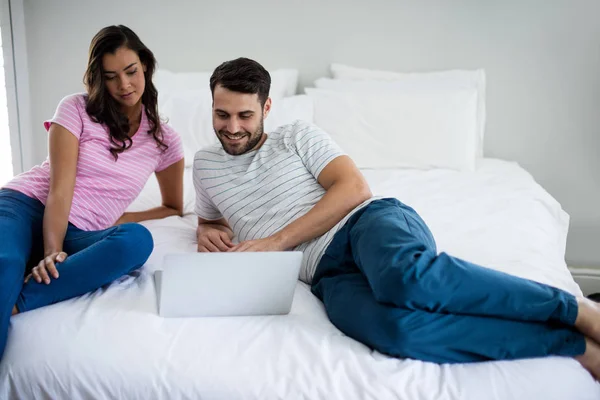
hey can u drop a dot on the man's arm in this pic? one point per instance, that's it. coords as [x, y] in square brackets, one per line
[213, 232]
[345, 188]
[213, 236]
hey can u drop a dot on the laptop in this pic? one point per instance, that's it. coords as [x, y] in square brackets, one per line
[227, 284]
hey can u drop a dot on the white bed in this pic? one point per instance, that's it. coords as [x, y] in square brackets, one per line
[112, 345]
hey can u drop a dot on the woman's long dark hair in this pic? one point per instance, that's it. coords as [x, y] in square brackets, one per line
[101, 107]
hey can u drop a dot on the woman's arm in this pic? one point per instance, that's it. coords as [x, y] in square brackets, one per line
[63, 154]
[63, 150]
[170, 181]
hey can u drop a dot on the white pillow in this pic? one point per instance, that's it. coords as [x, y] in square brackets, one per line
[283, 81]
[288, 110]
[189, 112]
[185, 101]
[409, 128]
[453, 78]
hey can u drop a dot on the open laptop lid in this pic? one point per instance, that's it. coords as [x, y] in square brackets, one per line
[220, 284]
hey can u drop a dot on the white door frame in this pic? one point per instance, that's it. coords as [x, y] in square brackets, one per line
[12, 23]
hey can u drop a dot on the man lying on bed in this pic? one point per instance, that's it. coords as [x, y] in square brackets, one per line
[373, 262]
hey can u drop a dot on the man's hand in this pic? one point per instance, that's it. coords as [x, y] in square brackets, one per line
[211, 240]
[271, 243]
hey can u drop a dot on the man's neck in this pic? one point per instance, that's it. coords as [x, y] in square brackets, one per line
[262, 140]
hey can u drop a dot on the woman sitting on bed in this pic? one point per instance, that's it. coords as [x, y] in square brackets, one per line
[69, 211]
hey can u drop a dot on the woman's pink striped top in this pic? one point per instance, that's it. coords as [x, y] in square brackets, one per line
[104, 188]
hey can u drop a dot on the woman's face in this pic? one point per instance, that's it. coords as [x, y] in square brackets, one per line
[124, 76]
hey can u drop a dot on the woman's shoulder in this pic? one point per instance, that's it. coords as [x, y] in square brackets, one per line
[74, 104]
[70, 113]
[74, 100]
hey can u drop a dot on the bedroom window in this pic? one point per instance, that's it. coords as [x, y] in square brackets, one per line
[6, 168]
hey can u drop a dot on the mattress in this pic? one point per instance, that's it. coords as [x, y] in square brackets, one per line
[111, 344]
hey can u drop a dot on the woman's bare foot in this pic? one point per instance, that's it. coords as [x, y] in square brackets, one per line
[14, 311]
[591, 358]
[588, 318]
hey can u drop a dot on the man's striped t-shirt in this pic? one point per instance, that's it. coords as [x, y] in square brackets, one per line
[262, 191]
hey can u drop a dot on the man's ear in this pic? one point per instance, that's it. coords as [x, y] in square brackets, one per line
[267, 108]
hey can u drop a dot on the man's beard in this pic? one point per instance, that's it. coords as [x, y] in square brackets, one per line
[250, 144]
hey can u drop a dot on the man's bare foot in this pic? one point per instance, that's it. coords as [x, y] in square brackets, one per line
[588, 318]
[14, 311]
[591, 358]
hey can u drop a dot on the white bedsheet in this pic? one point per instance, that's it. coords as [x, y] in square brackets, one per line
[111, 344]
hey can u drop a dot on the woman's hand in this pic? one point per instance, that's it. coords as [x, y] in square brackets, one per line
[47, 267]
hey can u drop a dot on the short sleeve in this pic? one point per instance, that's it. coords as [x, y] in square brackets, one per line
[314, 146]
[175, 151]
[204, 208]
[69, 114]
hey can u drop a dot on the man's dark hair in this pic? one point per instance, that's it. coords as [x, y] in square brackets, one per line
[242, 75]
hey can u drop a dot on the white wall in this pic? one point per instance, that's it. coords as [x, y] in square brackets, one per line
[542, 60]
